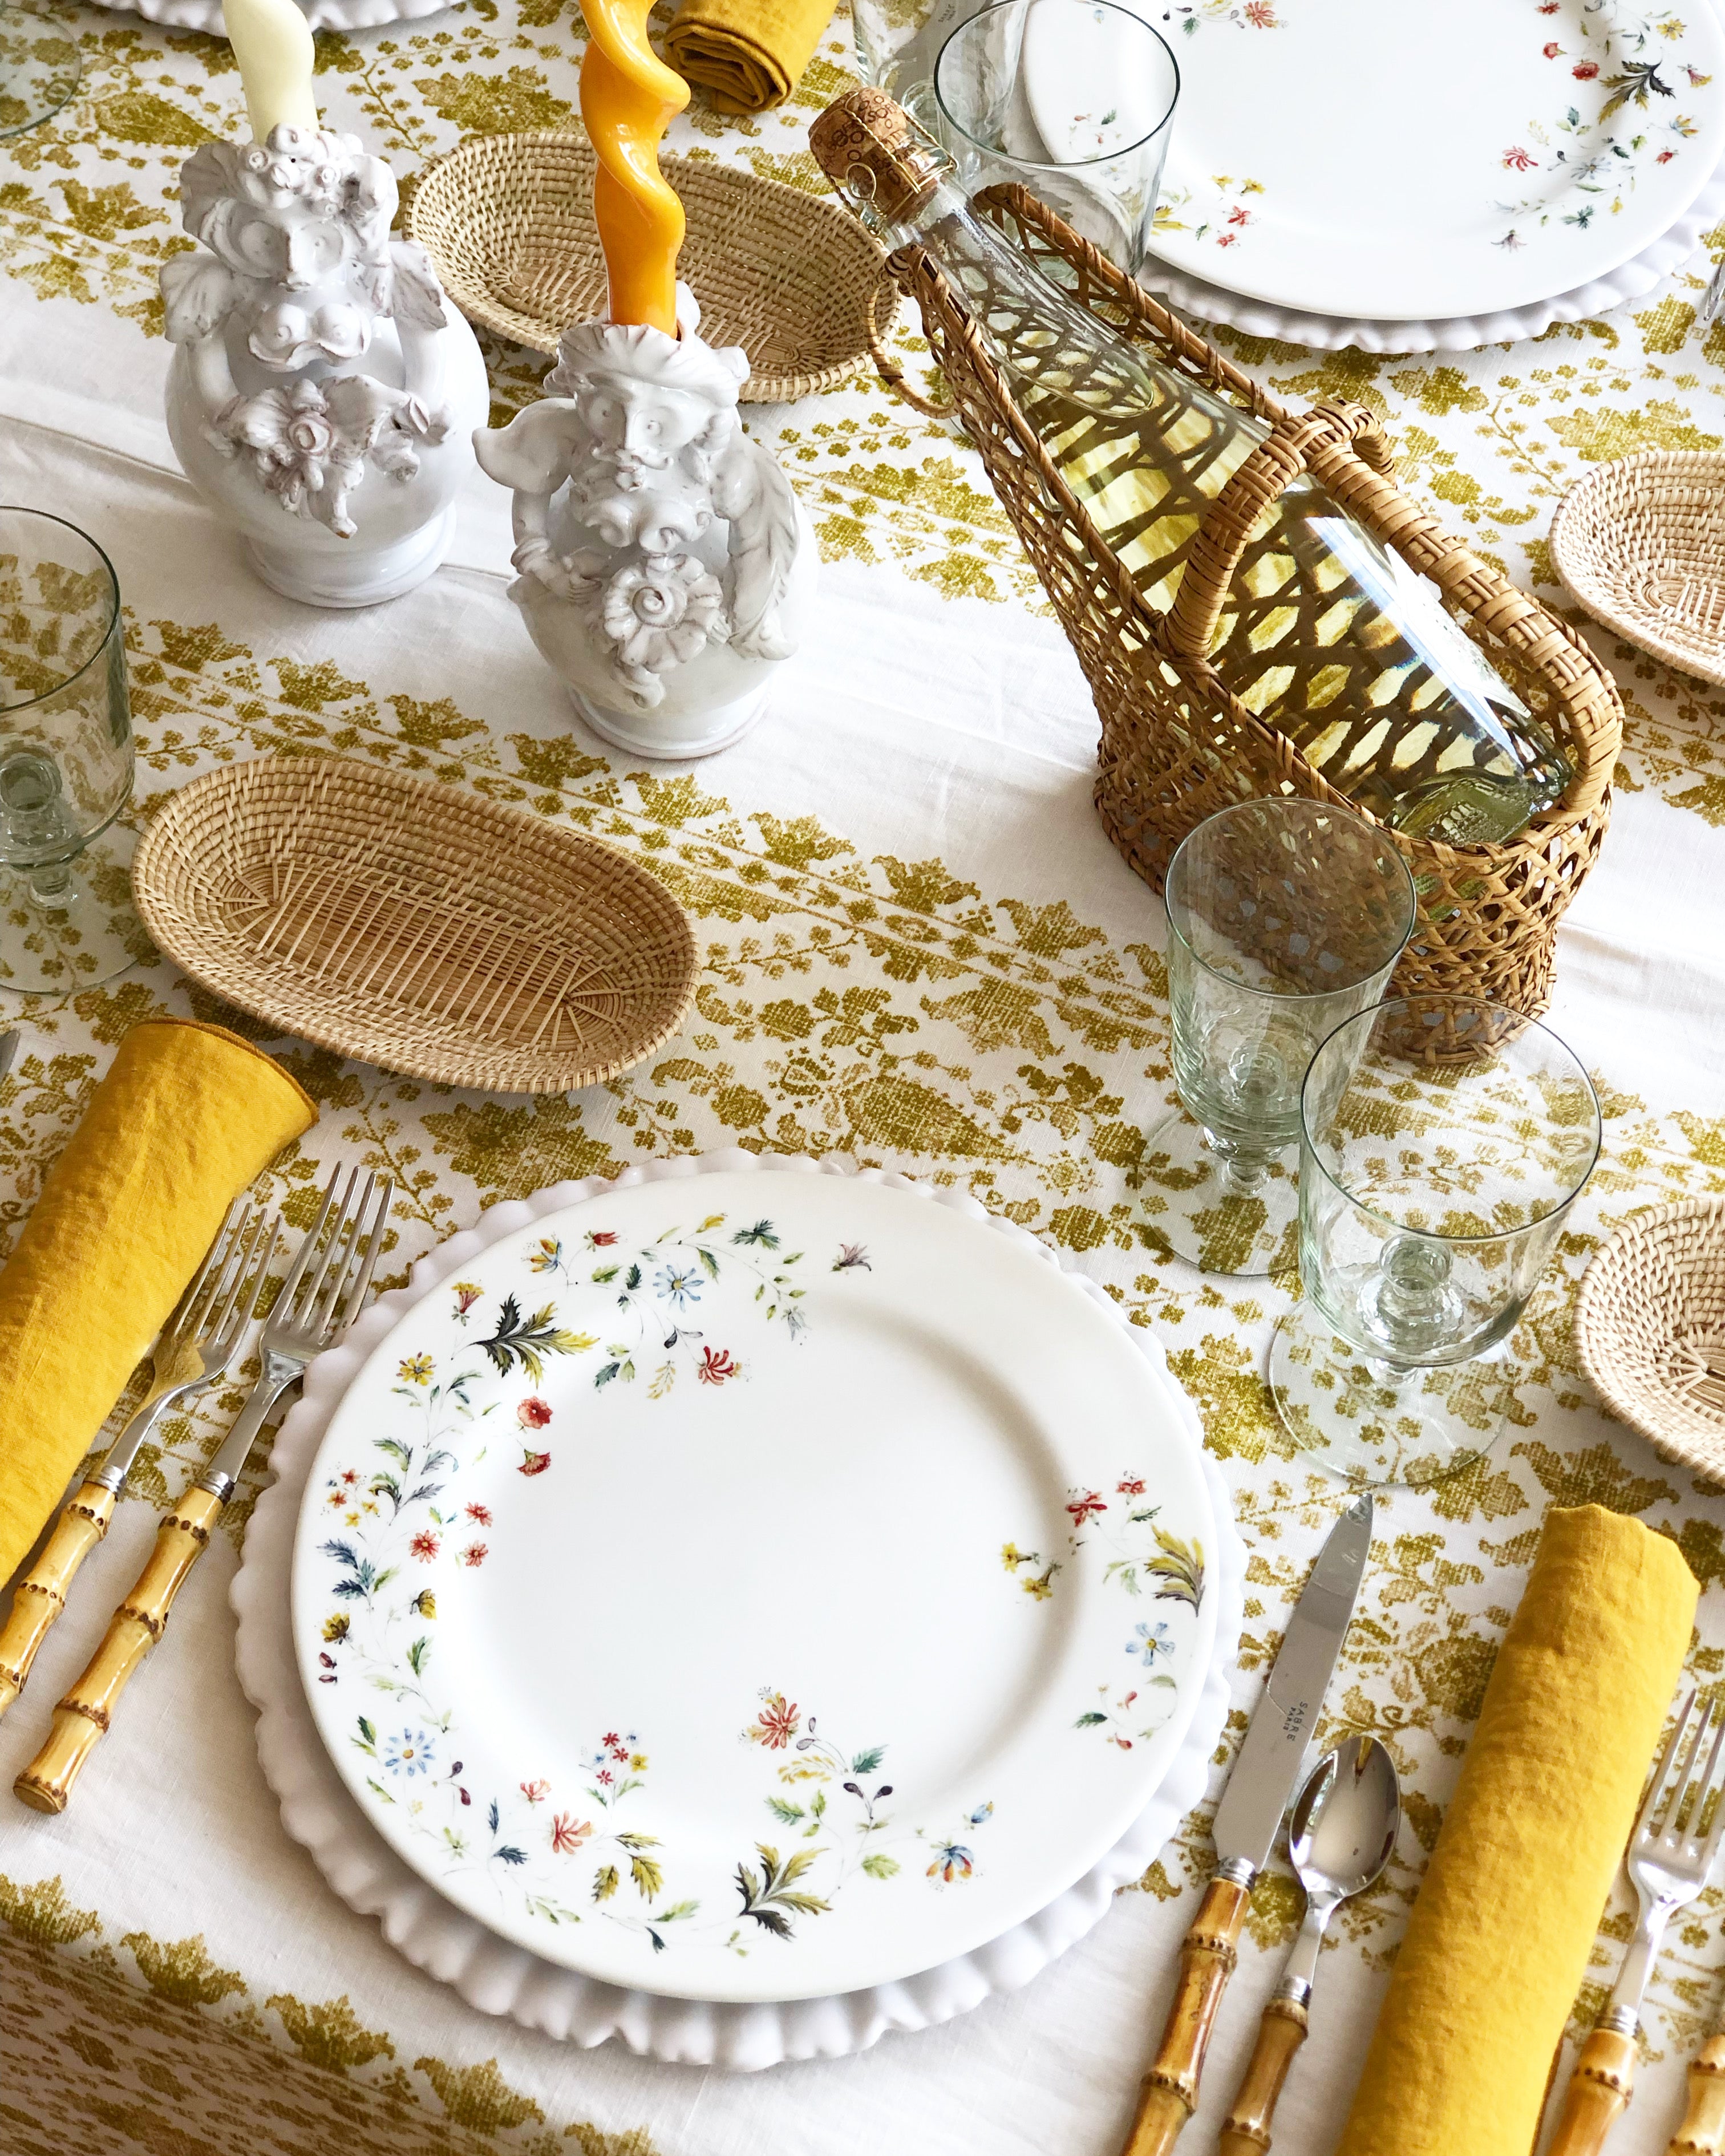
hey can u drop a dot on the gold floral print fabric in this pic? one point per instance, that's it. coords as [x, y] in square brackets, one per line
[917, 950]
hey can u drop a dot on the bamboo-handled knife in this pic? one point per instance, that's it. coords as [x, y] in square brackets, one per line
[1282, 1725]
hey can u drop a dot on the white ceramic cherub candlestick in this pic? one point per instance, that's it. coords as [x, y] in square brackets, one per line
[322, 395]
[666, 565]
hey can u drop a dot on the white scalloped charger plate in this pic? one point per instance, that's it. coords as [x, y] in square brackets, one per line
[499, 1977]
[1586, 303]
[321, 14]
[1438, 160]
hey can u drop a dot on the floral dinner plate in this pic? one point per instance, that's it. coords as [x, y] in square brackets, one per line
[755, 1588]
[1427, 160]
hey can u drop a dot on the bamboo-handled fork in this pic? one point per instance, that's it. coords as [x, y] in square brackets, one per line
[1670, 1856]
[321, 1295]
[200, 1340]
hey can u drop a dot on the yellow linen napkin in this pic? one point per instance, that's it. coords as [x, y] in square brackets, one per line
[187, 1116]
[1499, 1942]
[746, 55]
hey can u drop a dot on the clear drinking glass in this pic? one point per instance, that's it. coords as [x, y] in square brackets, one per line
[1443, 1139]
[66, 920]
[898, 43]
[39, 69]
[1073, 99]
[1285, 917]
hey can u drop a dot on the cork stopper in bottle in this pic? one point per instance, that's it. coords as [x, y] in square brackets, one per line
[876, 156]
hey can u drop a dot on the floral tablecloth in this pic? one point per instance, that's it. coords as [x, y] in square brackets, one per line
[917, 949]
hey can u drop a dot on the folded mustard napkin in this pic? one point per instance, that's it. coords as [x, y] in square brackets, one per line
[746, 55]
[1499, 1942]
[187, 1116]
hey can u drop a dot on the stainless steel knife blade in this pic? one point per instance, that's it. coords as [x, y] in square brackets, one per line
[1283, 1721]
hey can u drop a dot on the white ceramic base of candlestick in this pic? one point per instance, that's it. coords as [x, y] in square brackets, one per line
[717, 729]
[667, 569]
[359, 577]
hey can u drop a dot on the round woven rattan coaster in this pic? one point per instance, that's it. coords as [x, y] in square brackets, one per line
[1641, 543]
[415, 925]
[1651, 1327]
[507, 220]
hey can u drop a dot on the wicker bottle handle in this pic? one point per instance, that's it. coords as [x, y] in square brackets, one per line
[892, 374]
[1703, 2132]
[1233, 516]
[1207, 1955]
[1597, 2094]
[39, 1598]
[83, 1718]
[1246, 2131]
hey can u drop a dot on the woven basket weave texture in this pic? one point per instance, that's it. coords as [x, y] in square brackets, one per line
[1651, 1320]
[1641, 543]
[1176, 745]
[507, 221]
[415, 925]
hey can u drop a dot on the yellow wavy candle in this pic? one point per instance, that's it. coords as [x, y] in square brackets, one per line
[628, 97]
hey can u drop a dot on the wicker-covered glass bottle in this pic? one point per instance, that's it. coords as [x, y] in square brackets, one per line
[1323, 624]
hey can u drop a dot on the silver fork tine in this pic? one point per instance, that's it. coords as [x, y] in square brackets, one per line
[360, 1283]
[1711, 1787]
[296, 1271]
[240, 1314]
[240, 1267]
[1658, 1798]
[1691, 1753]
[338, 1274]
[327, 1257]
[232, 1271]
[192, 1302]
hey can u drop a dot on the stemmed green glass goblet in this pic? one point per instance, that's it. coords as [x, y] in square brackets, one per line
[1285, 917]
[66, 917]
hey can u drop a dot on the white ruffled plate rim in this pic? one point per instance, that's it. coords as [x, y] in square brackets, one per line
[1630, 280]
[321, 14]
[500, 1979]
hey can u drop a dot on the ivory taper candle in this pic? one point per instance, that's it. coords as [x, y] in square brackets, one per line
[627, 97]
[272, 42]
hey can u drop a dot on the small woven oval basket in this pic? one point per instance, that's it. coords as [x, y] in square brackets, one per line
[1641, 543]
[1650, 1323]
[414, 925]
[507, 221]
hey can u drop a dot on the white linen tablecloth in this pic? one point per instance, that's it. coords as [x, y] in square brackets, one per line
[917, 946]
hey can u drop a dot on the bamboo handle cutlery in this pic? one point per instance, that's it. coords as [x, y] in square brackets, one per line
[1670, 1858]
[1247, 1821]
[324, 1291]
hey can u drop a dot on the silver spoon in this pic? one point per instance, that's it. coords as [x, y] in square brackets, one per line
[1341, 1831]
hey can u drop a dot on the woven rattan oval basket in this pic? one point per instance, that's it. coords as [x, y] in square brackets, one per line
[507, 220]
[415, 925]
[1641, 543]
[1651, 1326]
[1176, 745]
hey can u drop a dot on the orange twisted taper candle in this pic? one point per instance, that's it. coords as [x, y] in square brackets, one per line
[627, 95]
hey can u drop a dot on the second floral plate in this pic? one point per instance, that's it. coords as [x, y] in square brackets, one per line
[755, 1588]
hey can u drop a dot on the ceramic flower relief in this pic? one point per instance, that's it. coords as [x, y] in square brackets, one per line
[1627, 59]
[309, 442]
[658, 613]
